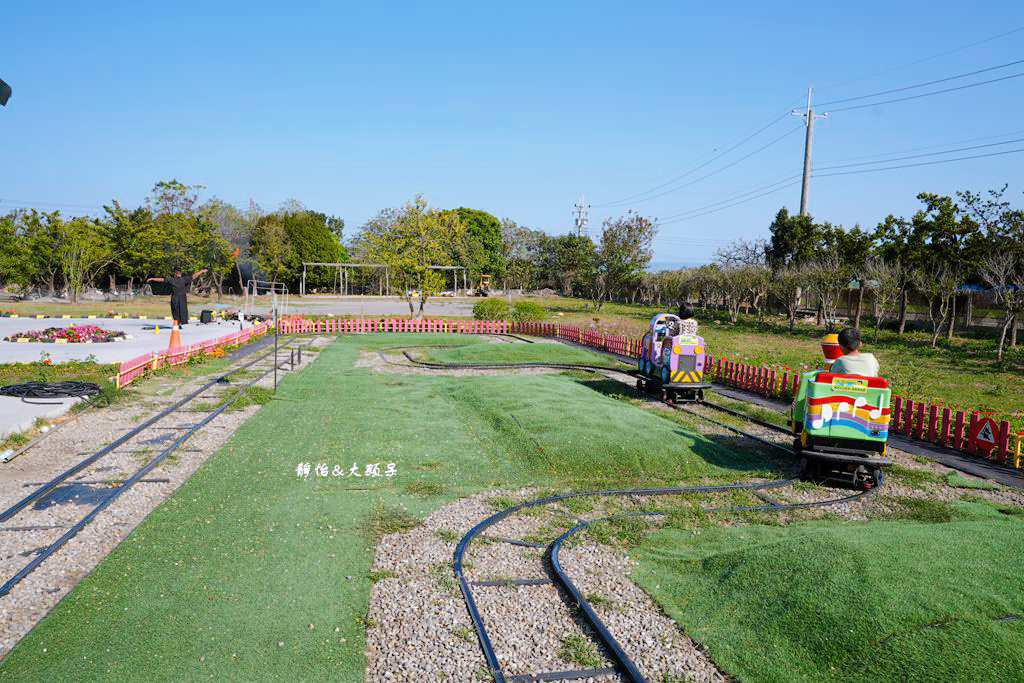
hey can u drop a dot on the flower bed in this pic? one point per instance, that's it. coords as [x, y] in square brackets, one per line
[83, 334]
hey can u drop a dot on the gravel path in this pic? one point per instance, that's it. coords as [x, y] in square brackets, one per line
[34, 596]
[420, 628]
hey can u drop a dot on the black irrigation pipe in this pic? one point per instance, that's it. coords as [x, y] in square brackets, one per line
[65, 389]
[45, 553]
[56, 481]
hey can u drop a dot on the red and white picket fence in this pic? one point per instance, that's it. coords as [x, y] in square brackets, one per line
[131, 370]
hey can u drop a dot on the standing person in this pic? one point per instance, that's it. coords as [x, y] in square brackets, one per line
[179, 288]
[853, 362]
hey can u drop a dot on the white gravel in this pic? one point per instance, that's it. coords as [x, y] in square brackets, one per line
[34, 596]
[421, 629]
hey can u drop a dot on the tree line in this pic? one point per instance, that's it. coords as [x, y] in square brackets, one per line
[949, 247]
[170, 231]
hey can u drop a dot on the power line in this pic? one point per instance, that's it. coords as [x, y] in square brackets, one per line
[694, 170]
[923, 163]
[735, 195]
[763, 194]
[917, 149]
[723, 168]
[22, 204]
[918, 156]
[929, 94]
[925, 59]
[921, 85]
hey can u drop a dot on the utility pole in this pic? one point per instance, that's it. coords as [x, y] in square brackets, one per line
[808, 117]
[581, 217]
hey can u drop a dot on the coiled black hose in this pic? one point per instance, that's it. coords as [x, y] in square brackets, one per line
[42, 390]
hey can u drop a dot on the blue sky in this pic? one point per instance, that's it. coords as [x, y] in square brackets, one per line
[514, 108]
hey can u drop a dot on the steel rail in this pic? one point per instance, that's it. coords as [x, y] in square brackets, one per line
[47, 552]
[74, 469]
[598, 626]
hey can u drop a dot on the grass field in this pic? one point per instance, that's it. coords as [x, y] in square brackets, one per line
[522, 353]
[250, 572]
[961, 374]
[870, 601]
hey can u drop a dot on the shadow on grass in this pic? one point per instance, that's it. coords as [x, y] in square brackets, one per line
[733, 452]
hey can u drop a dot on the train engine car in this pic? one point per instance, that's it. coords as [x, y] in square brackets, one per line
[840, 426]
[671, 362]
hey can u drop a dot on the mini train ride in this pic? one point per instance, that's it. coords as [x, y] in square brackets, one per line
[840, 423]
[671, 362]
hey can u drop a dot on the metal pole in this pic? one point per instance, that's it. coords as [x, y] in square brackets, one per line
[275, 350]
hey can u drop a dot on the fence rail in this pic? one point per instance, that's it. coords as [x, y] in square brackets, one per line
[131, 370]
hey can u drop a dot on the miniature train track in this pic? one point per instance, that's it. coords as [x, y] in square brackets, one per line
[559, 580]
[573, 598]
[24, 513]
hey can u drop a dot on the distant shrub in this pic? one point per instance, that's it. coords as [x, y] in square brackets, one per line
[528, 311]
[491, 309]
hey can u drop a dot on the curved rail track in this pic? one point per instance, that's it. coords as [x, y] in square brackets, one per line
[25, 509]
[573, 599]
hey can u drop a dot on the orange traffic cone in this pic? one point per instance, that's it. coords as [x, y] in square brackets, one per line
[175, 336]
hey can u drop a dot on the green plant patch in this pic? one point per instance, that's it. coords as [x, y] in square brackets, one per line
[521, 353]
[957, 480]
[870, 601]
[914, 477]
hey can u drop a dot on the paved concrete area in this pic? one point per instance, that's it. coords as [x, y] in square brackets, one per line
[145, 338]
[18, 416]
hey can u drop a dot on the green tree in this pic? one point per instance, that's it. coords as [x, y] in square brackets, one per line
[410, 240]
[902, 245]
[14, 254]
[624, 254]
[793, 241]
[481, 249]
[85, 251]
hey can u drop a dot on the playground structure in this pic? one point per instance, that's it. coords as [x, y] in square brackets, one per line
[342, 281]
[278, 291]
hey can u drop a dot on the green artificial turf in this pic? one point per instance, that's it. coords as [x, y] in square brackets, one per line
[250, 572]
[870, 601]
[522, 353]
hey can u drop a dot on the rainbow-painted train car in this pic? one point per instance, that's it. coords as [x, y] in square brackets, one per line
[840, 426]
[671, 360]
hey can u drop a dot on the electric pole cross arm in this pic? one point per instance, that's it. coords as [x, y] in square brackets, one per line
[808, 117]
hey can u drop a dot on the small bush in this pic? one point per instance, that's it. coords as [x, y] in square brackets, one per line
[528, 311]
[491, 309]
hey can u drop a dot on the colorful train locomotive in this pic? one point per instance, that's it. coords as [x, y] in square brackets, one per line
[840, 424]
[672, 361]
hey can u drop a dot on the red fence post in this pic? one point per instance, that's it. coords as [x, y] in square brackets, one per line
[919, 425]
[970, 428]
[771, 383]
[932, 423]
[944, 434]
[1003, 442]
[896, 415]
[958, 431]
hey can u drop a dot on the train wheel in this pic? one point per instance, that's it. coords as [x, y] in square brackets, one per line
[804, 474]
[664, 394]
[639, 385]
[861, 480]
[700, 396]
[876, 474]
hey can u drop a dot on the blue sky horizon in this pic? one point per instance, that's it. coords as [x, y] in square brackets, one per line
[516, 110]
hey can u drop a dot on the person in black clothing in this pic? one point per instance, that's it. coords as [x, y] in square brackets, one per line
[179, 288]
